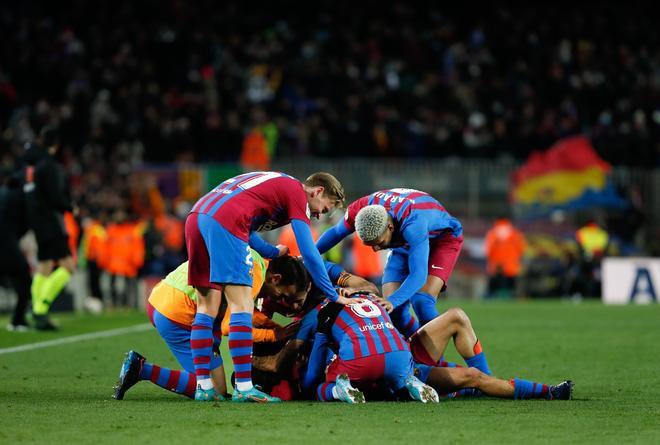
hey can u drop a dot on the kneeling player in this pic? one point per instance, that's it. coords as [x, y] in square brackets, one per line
[370, 351]
[429, 343]
[172, 307]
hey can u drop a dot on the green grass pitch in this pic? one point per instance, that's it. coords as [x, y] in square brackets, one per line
[62, 394]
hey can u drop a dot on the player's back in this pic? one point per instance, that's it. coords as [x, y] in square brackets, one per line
[408, 206]
[257, 201]
[364, 328]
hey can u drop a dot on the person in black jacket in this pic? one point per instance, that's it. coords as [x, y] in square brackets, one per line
[46, 199]
[13, 265]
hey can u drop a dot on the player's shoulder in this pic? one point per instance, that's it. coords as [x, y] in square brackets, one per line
[359, 203]
[288, 184]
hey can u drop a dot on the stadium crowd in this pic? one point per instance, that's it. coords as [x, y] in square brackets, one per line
[162, 81]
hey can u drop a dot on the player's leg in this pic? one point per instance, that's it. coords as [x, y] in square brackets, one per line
[16, 267]
[429, 343]
[395, 271]
[201, 340]
[48, 283]
[341, 375]
[399, 373]
[178, 340]
[59, 277]
[136, 368]
[241, 306]
[424, 301]
[40, 306]
[404, 320]
[201, 240]
[443, 254]
[448, 380]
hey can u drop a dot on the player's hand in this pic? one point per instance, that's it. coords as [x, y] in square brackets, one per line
[346, 301]
[286, 332]
[383, 302]
[283, 250]
[346, 291]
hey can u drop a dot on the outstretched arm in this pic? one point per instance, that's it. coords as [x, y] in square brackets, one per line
[332, 236]
[263, 248]
[312, 258]
[314, 374]
[347, 280]
[418, 259]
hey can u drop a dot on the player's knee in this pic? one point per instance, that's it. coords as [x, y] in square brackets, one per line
[458, 316]
[473, 377]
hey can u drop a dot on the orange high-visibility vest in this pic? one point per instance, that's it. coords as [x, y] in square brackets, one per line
[505, 246]
[254, 154]
[73, 231]
[288, 238]
[125, 249]
[367, 263]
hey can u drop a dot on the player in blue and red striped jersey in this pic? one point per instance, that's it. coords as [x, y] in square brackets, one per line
[219, 231]
[425, 241]
[429, 343]
[369, 351]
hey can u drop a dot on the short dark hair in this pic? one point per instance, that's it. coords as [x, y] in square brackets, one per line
[292, 271]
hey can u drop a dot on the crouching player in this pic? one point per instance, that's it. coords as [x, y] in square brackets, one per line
[172, 307]
[369, 351]
[425, 241]
[429, 343]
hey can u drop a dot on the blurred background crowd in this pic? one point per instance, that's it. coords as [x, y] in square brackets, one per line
[135, 85]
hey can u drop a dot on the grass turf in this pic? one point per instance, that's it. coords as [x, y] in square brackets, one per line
[62, 394]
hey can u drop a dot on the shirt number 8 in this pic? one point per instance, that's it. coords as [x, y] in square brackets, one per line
[366, 309]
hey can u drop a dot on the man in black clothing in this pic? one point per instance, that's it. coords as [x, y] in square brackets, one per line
[46, 199]
[13, 265]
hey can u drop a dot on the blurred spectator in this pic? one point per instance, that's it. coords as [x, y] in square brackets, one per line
[93, 253]
[505, 246]
[288, 239]
[366, 263]
[124, 250]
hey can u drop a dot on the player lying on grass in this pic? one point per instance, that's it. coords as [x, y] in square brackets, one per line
[427, 347]
[369, 350]
[282, 283]
[429, 343]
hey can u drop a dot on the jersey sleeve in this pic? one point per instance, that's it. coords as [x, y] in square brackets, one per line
[312, 259]
[352, 211]
[316, 362]
[334, 270]
[418, 259]
[308, 326]
[264, 249]
[332, 236]
[415, 232]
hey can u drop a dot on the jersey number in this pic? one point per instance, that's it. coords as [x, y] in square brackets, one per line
[263, 177]
[248, 257]
[366, 309]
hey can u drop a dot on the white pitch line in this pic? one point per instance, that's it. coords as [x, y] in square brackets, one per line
[76, 338]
